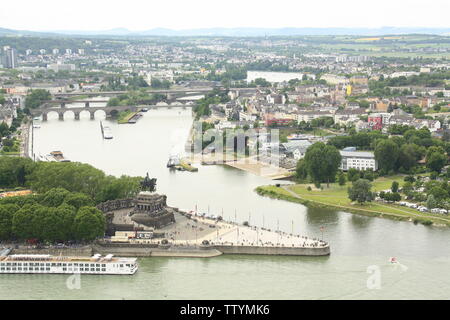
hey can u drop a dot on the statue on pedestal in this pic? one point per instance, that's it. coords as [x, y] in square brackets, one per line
[148, 184]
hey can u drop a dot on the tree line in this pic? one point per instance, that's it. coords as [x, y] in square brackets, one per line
[54, 216]
[73, 176]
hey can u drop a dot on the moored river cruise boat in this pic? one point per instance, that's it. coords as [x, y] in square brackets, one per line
[48, 264]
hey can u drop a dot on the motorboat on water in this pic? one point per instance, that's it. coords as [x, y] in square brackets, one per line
[173, 161]
[393, 260]
[57, 156]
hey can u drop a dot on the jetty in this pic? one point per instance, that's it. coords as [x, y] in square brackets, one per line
[180, 164]
[135, 117]
[186, 166]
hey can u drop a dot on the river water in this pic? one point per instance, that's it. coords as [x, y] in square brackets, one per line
[357, 268]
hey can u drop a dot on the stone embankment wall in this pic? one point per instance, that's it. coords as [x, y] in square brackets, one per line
[154, 250]
[85, 251]
[112, 205]
[285, 251]
[149, 250]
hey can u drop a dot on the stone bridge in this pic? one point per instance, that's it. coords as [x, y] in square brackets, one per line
[62, 103]
[109, 111]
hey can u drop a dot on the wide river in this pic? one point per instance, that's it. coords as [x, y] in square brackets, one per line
[357, 268]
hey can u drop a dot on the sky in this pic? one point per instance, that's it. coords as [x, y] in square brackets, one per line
[137, 15]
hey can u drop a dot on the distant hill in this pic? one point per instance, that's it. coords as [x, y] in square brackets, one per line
[11, 32]
[239, 32]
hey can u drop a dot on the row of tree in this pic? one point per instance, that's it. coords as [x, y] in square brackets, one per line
[72, 176]
[55, 216]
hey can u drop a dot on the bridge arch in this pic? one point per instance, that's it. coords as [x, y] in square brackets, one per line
[97, 113]
[51, 114]
[68, 114]
[84, 114]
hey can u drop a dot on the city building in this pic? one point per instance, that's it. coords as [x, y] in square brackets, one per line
[375, 121]
[295, 148]
[360, 160]
[9, 58]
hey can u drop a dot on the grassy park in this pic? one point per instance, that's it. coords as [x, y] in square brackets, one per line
[125, 116]
[336, 197]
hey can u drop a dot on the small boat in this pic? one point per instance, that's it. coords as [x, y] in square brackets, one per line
[106, 131]
[58, 156]
[173, 161]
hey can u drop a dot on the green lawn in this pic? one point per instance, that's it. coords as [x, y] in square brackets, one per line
[336, 196]
[124, 116]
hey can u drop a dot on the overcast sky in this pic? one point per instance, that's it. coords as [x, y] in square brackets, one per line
[46, 15]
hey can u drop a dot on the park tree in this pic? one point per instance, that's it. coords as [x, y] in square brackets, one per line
[24, 222]
[368, 174]
[54, 197]
[431, 202]
[394, 186]
[408, 189]
[51, 225]
[322, 162]
[353, 174]
[36, 98]
[386, 153]
[118, 188]
[392, 196]
[360, 191]
[438, 193]
[114, 102]
[341, 179]
[78, 200]
[67, 215]
[89, 224]
[409, 155]
[6, 215]
[4, 129]
[301, 171]
[13, 171]
[436, 159]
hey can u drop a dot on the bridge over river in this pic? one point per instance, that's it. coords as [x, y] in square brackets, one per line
[109, 111]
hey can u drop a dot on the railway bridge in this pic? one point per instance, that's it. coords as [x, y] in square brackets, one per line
[109, 111]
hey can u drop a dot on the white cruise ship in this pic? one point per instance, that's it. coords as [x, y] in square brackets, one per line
[47, 264]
